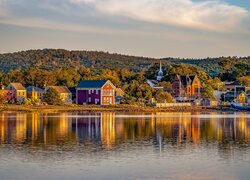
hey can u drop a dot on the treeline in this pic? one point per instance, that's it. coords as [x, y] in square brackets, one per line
[53, 59]
[211, 66]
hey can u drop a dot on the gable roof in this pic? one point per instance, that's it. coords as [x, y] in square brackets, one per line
[92, 84]
[18, 86]
[34, 88]
[185, 79]
[60, 89]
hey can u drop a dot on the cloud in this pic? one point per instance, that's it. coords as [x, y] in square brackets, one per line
[209, 14]
[119, 15]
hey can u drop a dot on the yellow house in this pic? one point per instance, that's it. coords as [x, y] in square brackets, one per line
[242, 97]
[34, 92]
[17, 92]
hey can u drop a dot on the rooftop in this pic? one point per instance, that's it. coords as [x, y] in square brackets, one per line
[60, 89]
[91, 84]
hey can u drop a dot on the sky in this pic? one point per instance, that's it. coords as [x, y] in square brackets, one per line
[153, 28]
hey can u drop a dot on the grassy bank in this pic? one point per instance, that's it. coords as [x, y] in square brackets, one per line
[122, 108]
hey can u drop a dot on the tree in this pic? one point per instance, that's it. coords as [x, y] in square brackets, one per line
[67, 77]
[2, 98]
[166, 85]
[51, 97]
[162, 96]
[85, 73]
[245, 80]
[207, 92]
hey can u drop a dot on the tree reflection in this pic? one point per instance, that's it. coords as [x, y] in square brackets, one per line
[110, 130]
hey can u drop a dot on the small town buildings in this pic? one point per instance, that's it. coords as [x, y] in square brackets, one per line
[34, 92]
[63, 92]
[186, 87]
[101, 92]
[17, 93]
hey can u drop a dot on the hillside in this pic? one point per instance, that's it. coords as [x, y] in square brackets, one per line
[52, 59]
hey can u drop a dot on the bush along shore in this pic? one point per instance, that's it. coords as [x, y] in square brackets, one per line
[119, 108]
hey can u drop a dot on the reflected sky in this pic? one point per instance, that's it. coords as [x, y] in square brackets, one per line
[108, 145]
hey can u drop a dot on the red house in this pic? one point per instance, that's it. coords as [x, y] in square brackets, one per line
[100, 92]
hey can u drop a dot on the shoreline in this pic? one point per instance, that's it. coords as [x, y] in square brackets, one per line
[118, 108]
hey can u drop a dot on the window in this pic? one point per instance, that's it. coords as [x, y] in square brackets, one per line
[89, 99]
[89, 91]
[96, 91]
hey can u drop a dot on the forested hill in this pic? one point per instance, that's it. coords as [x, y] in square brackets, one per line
[210, 65]
[52, 59]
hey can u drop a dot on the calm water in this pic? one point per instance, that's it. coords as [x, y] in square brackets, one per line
[124, 146]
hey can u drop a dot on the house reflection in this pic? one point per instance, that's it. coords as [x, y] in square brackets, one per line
[109, 130]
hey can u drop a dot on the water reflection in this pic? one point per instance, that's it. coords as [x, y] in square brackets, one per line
[108, 130]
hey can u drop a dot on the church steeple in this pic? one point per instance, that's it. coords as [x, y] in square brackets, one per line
[160, 73]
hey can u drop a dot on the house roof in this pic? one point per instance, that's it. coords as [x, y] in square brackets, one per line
[234, 83]
[60, 89]
[185, 80]
[91, 84]
[34, 88]
[18, 86]
[232, 93]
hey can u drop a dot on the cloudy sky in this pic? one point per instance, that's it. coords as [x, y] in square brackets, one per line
[155, 28]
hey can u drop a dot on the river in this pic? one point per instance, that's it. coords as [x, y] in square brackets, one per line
[115, 145]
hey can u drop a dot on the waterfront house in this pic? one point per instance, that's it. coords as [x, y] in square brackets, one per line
[119, 93]
[101, 92]
[17, 93]
[186, 87]
[34, 92]
[4, 94]
[63, 92]
[209, 102]
[235, 96]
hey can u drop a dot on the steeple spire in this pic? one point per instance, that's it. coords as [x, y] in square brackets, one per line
[160, 73]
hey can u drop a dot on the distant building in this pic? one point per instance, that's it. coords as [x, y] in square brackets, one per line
[160, 73]
[34, 92]
[187, 87]
[63, 92]
[17, 93]
[235, 96]
[231, 85]
[209, 102]
[119, 93]
[153, 84]
[4, 94]
[73, 92]
[101, 92]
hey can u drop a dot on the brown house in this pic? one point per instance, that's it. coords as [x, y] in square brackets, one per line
[63, 92]
[186, 87]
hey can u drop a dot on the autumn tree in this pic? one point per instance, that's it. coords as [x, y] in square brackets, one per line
[245, 80]
[162, 96]
[52, 97]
